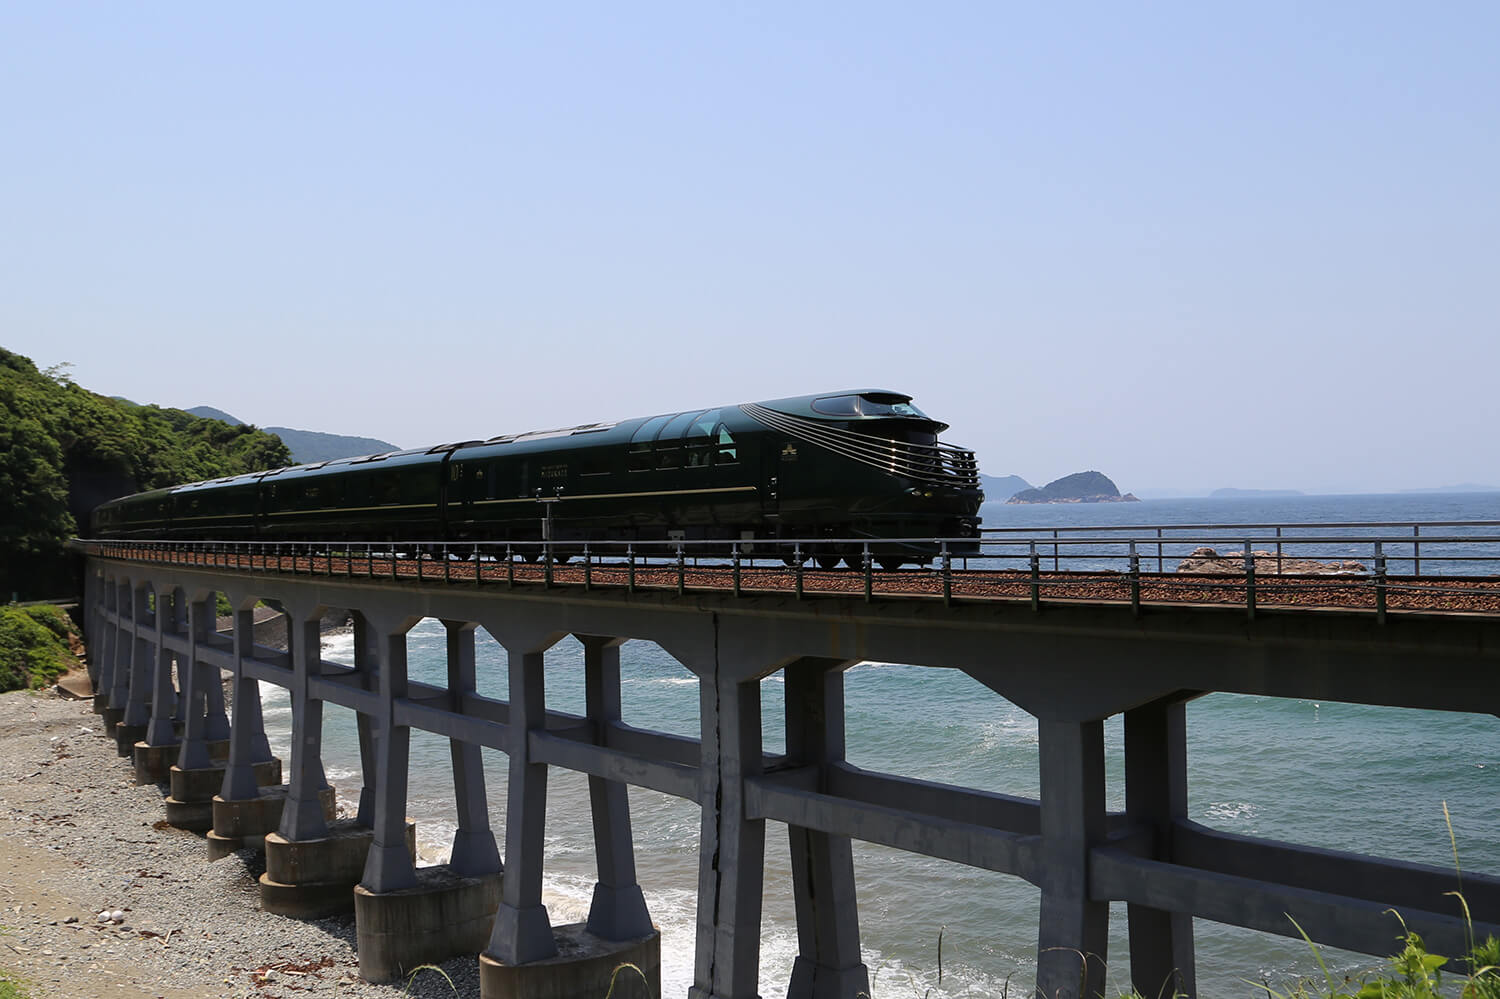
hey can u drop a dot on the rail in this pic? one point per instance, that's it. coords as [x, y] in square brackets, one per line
[1199, 564]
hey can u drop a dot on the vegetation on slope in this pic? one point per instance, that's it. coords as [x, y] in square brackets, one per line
[64, 450]
[34, 646]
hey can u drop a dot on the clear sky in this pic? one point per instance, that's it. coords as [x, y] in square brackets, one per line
[1185, 244]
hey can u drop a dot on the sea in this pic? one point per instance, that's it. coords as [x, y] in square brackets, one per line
[1416, 785]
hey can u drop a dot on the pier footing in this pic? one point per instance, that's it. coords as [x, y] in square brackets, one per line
[242, 824]
[444, 916]
[126, 736]
[191, 802]
[582, 969]
[313, 878]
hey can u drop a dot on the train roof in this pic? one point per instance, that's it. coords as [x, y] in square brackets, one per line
[848, 405]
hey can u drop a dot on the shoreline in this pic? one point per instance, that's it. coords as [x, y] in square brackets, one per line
[77, 837]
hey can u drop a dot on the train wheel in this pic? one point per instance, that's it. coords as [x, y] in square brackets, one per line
[827, 561]
[890, 564]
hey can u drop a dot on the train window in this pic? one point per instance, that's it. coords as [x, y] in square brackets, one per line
[729, 453]
[594, 463]
[703, 425]
[668, 457]
[698, 452]
[648, 430]
[839, 405]
[678, 426]
[640, 456]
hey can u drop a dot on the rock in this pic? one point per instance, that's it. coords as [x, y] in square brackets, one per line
[1208, 562]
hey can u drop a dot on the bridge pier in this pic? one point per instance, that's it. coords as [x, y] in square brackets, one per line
[244, 810]
[732, 846]
[135, 710]
[102, 640]
[405, 917]
[152, 755]
[828, 963]
[523, 932]
[1073, 938]
[311, 865]
[1161, 942]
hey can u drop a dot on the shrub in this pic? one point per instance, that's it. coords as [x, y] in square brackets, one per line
[33, 646]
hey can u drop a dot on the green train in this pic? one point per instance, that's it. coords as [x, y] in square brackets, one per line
[837, 468]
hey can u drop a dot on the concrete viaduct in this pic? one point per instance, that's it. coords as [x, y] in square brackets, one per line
[1072, 664]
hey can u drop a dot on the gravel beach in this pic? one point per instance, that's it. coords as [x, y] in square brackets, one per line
[77, 838]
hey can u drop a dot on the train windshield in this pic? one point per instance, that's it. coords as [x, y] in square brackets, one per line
[866, 405]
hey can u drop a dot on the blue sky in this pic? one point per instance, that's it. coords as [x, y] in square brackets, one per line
[1188, 245]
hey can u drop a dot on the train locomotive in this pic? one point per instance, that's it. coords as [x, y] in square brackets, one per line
[842, 468]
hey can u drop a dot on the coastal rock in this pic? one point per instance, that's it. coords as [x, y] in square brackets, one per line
[1207, 561]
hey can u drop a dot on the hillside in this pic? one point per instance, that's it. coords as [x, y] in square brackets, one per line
[308, 446]
[1080, 487]
[1002, 487]
[65, 450]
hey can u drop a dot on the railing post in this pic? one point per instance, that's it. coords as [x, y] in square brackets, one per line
[1056, 553]
[1380, 594]
[630, 568]
[1160, 553]
[547, 564]
[1416, 550]
[797, 568]
[393, 561]
[1249, 579]
[869, 564]
[447, 568]
[1135, 581]
[1036, 579]
[735, 553]
[588, 568]
[947, 576]
[681, 570]
[1279, 569]
[510, 566]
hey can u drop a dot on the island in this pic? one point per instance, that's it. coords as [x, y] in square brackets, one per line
[1230, 492]
[1080, 487]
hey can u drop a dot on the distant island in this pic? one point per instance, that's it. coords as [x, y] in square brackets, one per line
[1002, 487]
[1231, 493]
[1080, 487]
[308, 446]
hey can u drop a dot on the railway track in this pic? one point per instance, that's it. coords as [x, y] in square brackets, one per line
[1374, 592]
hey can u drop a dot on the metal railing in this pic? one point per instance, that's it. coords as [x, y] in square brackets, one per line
[1252, 565]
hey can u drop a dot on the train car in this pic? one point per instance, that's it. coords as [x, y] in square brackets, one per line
[839, 468]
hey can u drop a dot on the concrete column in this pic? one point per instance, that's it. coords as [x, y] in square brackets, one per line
[125, 602]
[91, 630]
[142, 658]
[197, 677]
[102, 645]
[828, 961]
[618, 911]
[216, 718]
[1161, 943]
[302, 817]
[247, 736]
[169, 620]
[1073, 940]
[474, 851]
[389, 866]
[365, 659]
[731, 852]
[522, 932]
